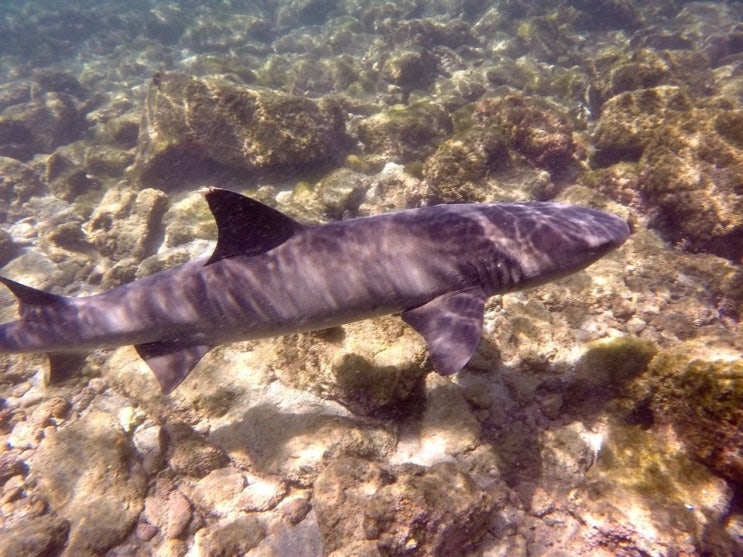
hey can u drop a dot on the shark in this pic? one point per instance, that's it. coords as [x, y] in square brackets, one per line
[271, 275]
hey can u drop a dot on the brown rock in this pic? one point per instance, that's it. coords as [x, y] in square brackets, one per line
[190, 454]
[127, 223]
[230, 537]
[408, 510]
[341, 493]
[39, 126]
[11, 465]
[43, 535]
[87, 474]
[168, 510]
[436, 511]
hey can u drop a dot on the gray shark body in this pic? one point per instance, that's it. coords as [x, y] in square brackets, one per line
[270, 275]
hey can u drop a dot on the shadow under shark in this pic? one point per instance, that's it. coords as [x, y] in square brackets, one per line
[270, 275]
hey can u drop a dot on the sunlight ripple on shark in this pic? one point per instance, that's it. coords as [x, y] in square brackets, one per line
[270, 275]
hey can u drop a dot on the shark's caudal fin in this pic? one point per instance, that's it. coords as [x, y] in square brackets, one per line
[29, 299]
[30, 302]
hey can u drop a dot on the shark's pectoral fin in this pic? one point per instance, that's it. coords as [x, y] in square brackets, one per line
[451, 326]
[171, 361]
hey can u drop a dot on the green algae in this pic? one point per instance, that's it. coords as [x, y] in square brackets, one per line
[703, 400]
[645, 462]
[406, 133]
[605, 369]
[617, 360]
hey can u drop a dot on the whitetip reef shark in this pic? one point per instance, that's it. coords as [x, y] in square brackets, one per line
[270, 275]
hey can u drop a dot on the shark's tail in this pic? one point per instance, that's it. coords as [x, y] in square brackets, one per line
[15, 336]
[30, 298]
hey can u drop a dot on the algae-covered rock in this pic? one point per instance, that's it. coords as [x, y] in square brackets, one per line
[190, 124]
[341, 192]
[188, 453]
[542, 37]
[43, 535]
[532, 128]
[410, 69]
[187, 220]
[645, 488]
[613, 71]
[304, 12]
[18, 183]
[601, 15]
[406, 133]
[507, 149]
[309, 74]
[689, 163]
[608, 364]
[457, 169]
[7, 247]
[477, 163]
[66, 179]
[40, 126]
[367, 365]
[429, 32]
[703, 401]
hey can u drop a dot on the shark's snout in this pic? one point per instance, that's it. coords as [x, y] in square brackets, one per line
[608, 230]
[557, 239]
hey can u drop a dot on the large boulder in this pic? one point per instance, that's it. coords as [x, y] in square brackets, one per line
[193, 125]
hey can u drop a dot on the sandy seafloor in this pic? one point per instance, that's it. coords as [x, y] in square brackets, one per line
[602, 414]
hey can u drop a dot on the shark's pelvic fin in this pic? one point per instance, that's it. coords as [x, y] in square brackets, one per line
[171, 361]
[451, 325]
[63, 365]
[31, 298]
[246, 226]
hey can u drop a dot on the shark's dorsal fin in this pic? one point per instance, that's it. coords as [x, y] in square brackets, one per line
[451, 325]
[30, 298]
[246, 226]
